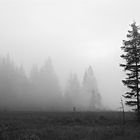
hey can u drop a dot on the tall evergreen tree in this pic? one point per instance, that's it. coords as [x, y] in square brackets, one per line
[131, 55]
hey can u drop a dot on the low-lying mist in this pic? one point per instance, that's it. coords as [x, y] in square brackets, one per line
[41, 90]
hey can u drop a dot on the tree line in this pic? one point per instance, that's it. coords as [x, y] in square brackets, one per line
[41, 89]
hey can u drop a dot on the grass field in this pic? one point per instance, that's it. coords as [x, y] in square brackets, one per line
[68, 126]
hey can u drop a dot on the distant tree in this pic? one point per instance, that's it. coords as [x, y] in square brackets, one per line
[90, 89]
[13, 84]
[45, 86]
[131, 55]
[73, 92]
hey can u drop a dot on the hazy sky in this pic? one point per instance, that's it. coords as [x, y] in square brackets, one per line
[74, 33]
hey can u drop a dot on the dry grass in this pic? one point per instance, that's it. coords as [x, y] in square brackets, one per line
[67, 126]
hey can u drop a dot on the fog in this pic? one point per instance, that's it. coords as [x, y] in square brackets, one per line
[40, 90]
[71, 37]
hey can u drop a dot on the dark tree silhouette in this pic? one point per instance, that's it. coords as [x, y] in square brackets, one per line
[131, 55]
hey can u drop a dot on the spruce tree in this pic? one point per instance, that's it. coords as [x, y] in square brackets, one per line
[131, 55]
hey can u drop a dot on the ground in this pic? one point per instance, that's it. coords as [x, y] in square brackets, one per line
[68, 126]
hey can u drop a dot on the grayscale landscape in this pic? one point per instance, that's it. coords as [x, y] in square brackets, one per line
[69, 70]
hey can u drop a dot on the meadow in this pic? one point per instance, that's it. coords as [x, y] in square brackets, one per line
[68, 126]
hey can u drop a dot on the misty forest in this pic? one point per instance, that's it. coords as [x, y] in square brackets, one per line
[34, 105]
[70, 70]
[40, 90]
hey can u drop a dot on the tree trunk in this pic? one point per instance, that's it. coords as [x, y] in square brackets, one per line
[137, 88]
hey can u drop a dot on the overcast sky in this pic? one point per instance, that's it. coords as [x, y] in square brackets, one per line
[74, 33]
